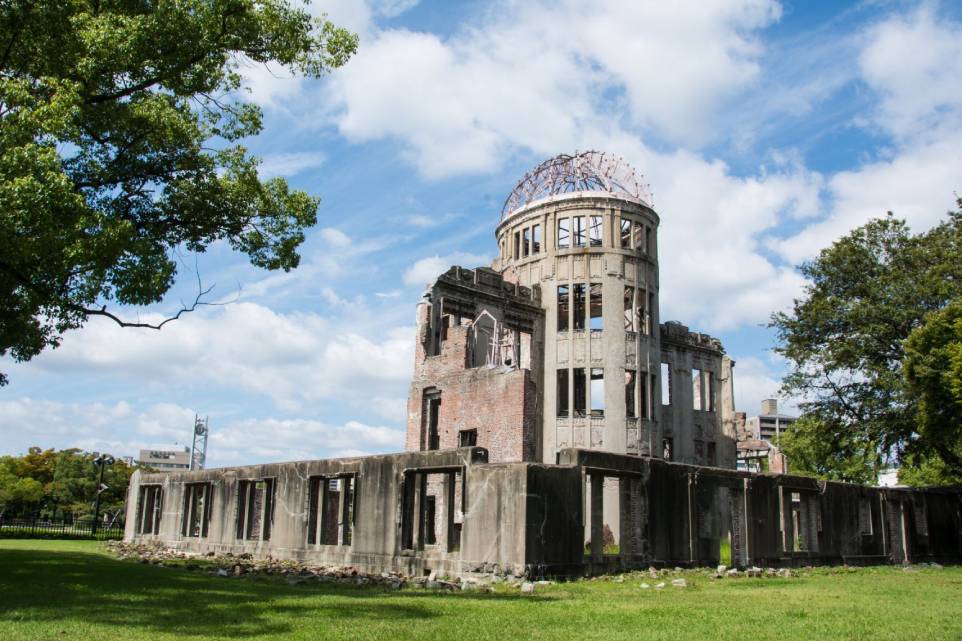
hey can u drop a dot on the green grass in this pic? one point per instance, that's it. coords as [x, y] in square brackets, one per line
[73, 590]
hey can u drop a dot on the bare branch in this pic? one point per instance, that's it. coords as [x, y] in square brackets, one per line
[198, 302]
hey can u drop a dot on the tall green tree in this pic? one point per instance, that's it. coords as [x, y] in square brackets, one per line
[845, 338]
[120, 130]
[58, 483]
[933, 371]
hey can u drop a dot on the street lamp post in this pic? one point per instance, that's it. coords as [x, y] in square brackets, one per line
[102, 462]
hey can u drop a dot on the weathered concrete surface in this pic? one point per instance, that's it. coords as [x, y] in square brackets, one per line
[531, 517]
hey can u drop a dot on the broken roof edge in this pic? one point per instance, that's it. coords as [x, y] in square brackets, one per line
[575, 195]
[487, 280]
[586, 171]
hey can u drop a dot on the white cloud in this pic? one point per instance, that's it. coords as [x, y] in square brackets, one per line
[756, 380]
[294, 359]
[289, 164]
[914, 62]
[917, 184]
[121, 430]
[425, 270]
[538, 76]
[335, 237]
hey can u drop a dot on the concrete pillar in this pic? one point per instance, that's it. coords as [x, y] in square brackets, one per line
[597, 517]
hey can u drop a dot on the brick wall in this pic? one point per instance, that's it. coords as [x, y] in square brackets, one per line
[501, 404]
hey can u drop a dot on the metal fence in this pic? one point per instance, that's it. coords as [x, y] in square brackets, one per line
[47, 529]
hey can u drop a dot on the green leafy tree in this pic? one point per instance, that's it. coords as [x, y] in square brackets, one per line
[933, 371]
[60, 483]
[120, 123]
[845, 338]
[814, 450]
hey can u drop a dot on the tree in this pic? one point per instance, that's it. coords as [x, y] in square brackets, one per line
[814, 450]
[933, 371]
[56, 483]
[120, 123]
[845, 338]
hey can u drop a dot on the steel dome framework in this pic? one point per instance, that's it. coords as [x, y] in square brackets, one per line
[584, 171]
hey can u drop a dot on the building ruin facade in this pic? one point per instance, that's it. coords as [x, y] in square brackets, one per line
[554, 426]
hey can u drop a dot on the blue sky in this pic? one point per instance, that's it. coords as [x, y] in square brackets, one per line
[765, 129]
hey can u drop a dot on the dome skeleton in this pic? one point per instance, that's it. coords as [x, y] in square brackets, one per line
[584, 171]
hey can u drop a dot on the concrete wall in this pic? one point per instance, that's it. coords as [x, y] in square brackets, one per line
[536, 518]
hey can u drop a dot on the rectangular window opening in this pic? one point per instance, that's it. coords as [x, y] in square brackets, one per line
[630, 317]
[631, 382]
[697, 401]
[594, 230]
[197, 504]
[595, 307]
[579, 306]
[581, 391]
[625, 233]
[563, 308]
[150, 508]
[430, 520]
[709, 386]
[578, 224]
[564, 233]
[517, 244]
[526, 243]
[668, 449]
[649, 314]
[649, 397]
[712, 455]
[536, 239]
[432, 414]
[665, 384]
[331, 510]
[637, 235]
[562, 388]
[597, 391]
[467, 438]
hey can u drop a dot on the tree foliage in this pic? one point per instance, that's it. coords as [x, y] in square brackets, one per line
[933, 371]
[120, 123]
[814, 450]
[57, 483]
[845, 338]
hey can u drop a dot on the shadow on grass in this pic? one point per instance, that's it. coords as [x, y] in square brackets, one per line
[64, 587]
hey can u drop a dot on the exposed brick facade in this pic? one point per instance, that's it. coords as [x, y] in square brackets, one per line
[502, 401]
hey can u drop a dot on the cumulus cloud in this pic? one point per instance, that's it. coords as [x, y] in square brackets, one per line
[914, 63]
[123, 431]
[293, 359]
[425, 270]
[535, 75]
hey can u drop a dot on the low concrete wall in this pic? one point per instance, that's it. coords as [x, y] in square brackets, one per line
[453, 512]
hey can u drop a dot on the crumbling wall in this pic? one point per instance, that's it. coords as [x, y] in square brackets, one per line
[486, 387]
[454, 512]
[697, 417]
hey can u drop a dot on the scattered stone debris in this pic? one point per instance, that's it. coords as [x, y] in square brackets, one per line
[679, 583]
[659, 586]
[527, 588]
[645, 586]
[244, 565]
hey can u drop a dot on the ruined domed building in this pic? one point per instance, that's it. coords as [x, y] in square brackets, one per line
[558, 344]
[555, 426]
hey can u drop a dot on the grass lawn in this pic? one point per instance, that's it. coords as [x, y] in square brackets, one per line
[74, 590]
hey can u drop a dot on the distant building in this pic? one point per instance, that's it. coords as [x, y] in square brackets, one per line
[176, 458]
[889, 477]
[769, 424]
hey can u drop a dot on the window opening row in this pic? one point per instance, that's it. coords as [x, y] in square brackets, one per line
[527, 242]
[579, 231]
[576, 401]
[580, 305]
